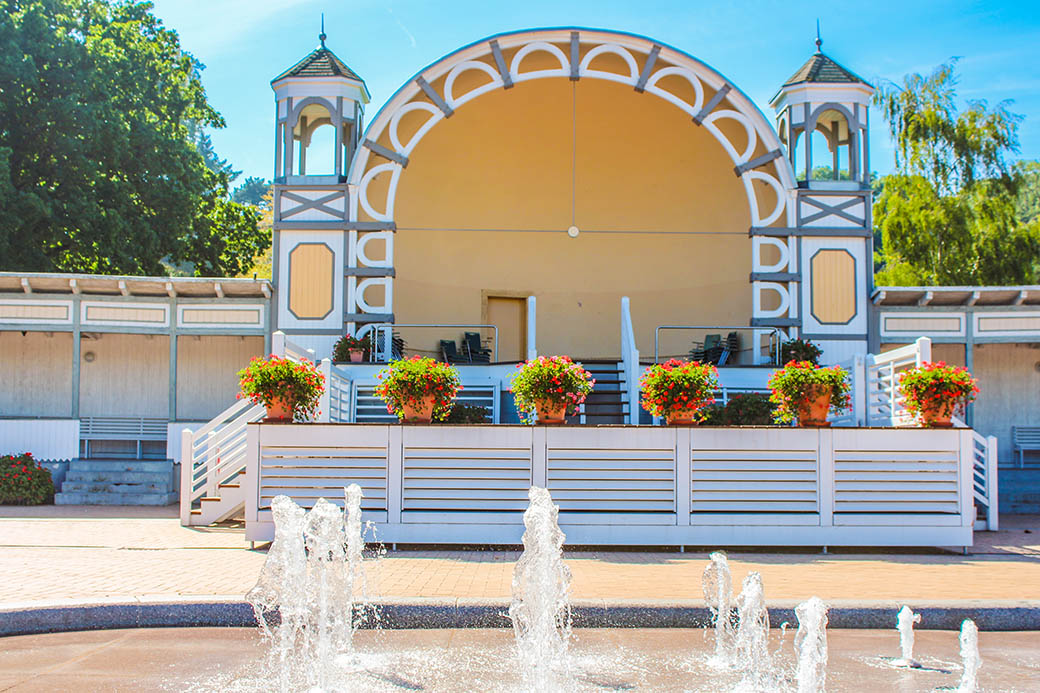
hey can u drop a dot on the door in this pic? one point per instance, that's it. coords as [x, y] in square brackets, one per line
[509, 314]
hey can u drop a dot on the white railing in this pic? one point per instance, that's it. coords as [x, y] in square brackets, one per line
[630, 361]
[215, 453]
[856, 415]
[884, 404]
[628, 485]
[335, 405]
[984, 474]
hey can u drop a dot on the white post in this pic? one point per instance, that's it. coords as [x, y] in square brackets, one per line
[992, 497]
[278, 343]
[212, 462]
[325, 402]
[859, 390]
[924, 351]
[187, 472]
[532, 325]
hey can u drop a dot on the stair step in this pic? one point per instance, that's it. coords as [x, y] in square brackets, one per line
[120, 477]
[88, 487]
[114, 498]
[121, 466]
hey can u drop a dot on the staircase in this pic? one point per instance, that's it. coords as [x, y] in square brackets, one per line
[118, 482]
[228, 502]
[608, 401]
[1019, 491]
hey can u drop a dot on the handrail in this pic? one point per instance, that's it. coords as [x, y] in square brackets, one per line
[884, 403]
[984, 473]
[630, 360]
[376, 327]
[774, 335]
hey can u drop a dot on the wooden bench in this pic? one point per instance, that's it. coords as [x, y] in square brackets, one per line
[1025, 438]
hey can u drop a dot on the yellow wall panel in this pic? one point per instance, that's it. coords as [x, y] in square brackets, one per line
[311, 274]
[833, 286]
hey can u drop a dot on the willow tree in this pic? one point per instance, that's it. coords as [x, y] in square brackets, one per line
[100, 168]
[950, 214]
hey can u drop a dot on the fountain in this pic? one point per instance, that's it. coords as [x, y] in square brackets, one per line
[717, 584]
[540, 607]
[310, 579]
[811, 646]
[905, 621]
[752, 640]
[969, 657]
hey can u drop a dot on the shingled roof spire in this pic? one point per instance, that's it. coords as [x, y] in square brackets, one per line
[322, 36]
[821, 68]
[819, 41]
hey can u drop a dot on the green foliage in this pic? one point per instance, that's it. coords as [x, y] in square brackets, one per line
[800, 350]
[554, 379]
[408, 381]
[678, 386]
[347, 343]
[23, 481]
[954, 212]
[254, 191]
[751, 409]
[100, 165]
[467, 414]
[936, 387]
[792, 386]
[300, 385]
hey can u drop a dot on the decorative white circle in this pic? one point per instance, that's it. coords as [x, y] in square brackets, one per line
[573, 232]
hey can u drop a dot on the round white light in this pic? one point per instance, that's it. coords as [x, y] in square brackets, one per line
[573, 232]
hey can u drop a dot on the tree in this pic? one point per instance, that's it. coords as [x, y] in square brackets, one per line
[100, 170]
[253, 191]
[953, 211]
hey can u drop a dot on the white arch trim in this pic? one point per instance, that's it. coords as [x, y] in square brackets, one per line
[672, 62]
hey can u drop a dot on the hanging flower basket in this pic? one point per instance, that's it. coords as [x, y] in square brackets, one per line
[804, 391]
[288, 389]
[550, 388]
[679, 390]
[933, 392]
[418, 390]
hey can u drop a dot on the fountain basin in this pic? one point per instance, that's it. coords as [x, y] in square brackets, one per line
[675, 659]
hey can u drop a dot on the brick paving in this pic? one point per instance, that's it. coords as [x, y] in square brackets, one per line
[73, 553]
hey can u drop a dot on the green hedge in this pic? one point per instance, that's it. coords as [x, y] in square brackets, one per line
[23, 481]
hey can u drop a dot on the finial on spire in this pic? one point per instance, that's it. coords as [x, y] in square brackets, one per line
[819, 41]
[322, 36]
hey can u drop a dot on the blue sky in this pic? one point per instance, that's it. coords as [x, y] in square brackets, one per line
[756, 44]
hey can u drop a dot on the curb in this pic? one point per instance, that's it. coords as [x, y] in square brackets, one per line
[494, 613]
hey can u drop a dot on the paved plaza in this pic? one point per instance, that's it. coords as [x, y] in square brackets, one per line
[53, 553]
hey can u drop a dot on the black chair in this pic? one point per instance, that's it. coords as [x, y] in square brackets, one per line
[450, 352]
[708, 351]
[474, 349]
[729, 348]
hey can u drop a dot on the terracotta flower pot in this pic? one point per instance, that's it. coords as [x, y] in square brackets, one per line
[279, 410]
[681, 417]
[418, 412]
[549, 412]
[812, 411]
[356, 355]
[938, 414]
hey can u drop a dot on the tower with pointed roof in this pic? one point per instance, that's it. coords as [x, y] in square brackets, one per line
[320, 106]
[822, 117]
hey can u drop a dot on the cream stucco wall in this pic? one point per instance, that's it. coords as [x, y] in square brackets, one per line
[488, 194]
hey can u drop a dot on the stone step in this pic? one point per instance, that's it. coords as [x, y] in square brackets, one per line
[121, 477]
[102, 487]
[80, 465]
[114, 498]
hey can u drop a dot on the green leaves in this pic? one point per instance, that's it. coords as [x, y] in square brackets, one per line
[955, 212]
[99, 169]
[409, 380]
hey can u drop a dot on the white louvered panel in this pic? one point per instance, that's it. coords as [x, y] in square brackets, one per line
[887, 481]
[122, 428]
[761, 481]
[309, 473]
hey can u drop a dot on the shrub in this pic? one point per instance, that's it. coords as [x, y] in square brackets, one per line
[676, 386]
[936, 387]
[348, 343]
[800, 350]
[467, 414]
[553, 379]
[749, 409]
[793, 384]
[300, 384]
[410, 380]
[23, 481]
